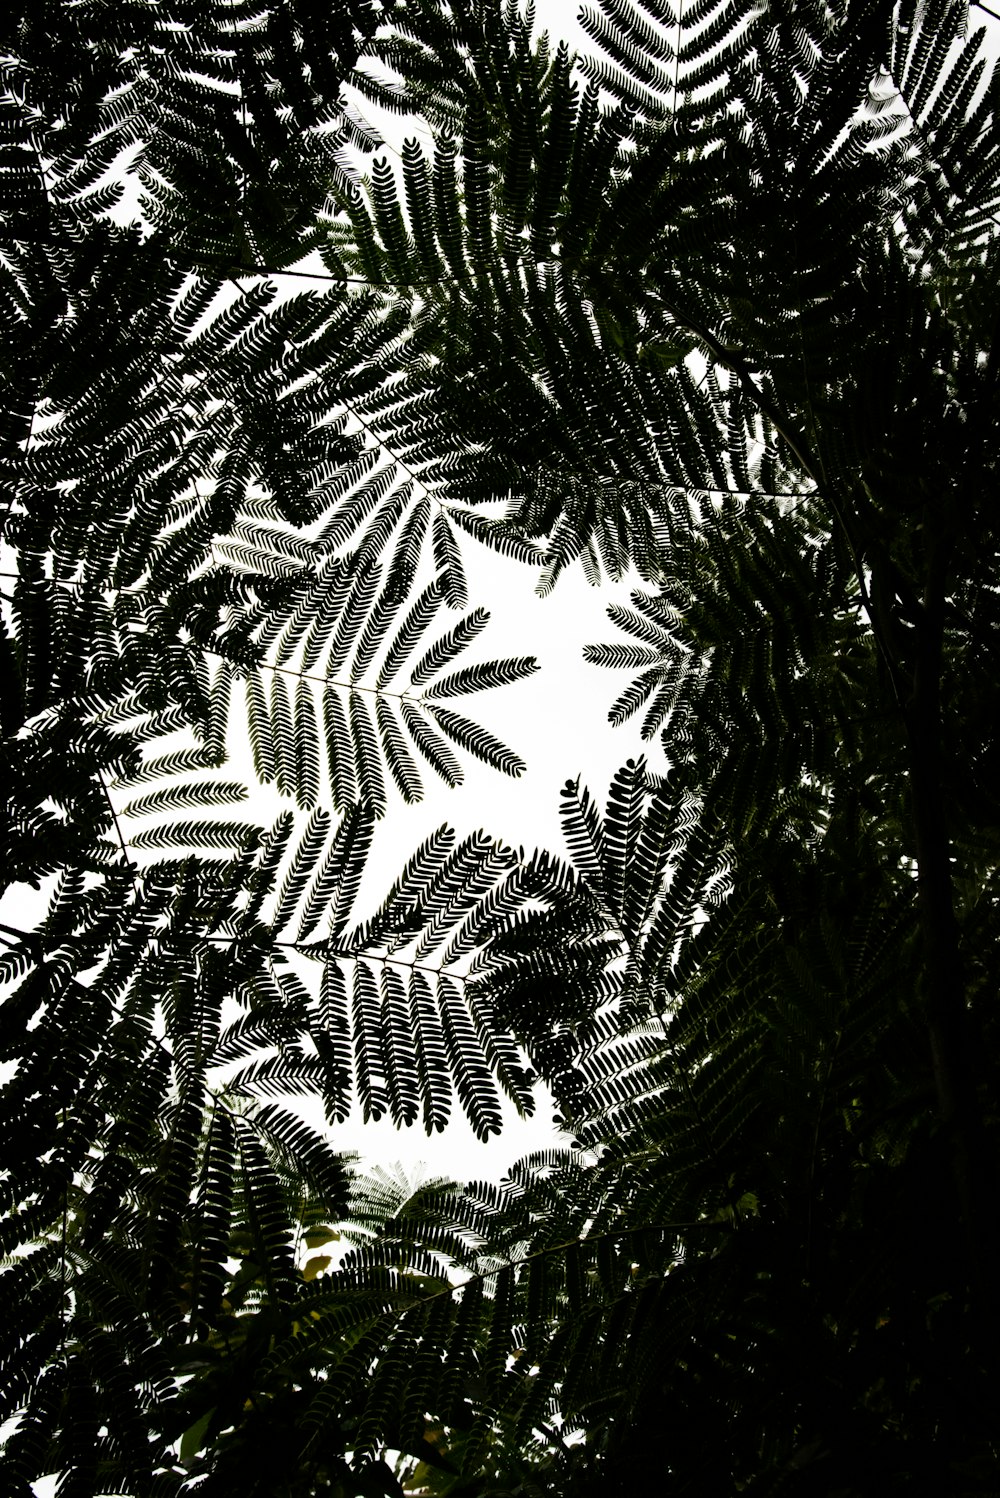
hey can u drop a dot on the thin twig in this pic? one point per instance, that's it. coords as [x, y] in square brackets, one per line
[133, 872]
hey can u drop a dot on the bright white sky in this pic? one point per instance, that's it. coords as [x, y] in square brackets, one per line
[556, 720]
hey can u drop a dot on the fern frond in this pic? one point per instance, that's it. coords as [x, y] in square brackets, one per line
[431, 745]
[449, 646]
[302, 866]
[400, 761]
[481, 677]
[478, 740]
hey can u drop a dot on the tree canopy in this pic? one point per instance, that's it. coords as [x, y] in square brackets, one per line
[714, 308]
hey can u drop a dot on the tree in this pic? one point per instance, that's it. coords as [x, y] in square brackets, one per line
[715, 304]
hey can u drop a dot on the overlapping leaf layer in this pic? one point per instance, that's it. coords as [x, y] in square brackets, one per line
[712, 308]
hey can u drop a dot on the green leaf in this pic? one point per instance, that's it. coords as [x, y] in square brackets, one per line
[316, 1237]
[194, 1437]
